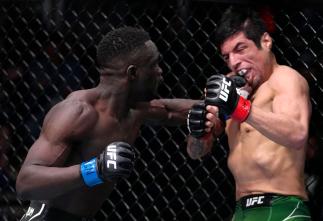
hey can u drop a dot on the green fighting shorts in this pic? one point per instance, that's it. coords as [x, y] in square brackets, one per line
[271, 207]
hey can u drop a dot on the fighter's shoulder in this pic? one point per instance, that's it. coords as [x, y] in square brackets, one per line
[283, 72]
[74, 107]
[285, 77]
[72, 112]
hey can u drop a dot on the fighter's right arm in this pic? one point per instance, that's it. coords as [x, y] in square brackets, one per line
[43, 174]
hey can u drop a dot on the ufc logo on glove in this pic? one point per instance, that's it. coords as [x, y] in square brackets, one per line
[111, 153]
[104, 166]
[224, 93]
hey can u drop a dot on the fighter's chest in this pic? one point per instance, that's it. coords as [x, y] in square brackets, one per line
[107, 131]
[263, 99]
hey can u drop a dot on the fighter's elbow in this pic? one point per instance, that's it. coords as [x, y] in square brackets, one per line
[22, 195]
[299, 139]
[21, 190]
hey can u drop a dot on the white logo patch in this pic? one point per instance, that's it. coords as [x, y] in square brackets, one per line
[30, 211]
[224, 93]
[111, 153]
[255, 200]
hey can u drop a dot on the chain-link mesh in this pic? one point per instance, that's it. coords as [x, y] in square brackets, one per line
[47, 49]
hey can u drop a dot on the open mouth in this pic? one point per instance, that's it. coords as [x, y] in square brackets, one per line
[242, 72]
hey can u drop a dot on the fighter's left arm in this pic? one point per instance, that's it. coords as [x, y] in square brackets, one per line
[288, 122]
[169, 112]
[205, 127]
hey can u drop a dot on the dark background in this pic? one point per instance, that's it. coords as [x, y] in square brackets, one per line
[47, 49]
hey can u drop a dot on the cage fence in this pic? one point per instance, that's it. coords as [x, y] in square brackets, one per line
[48, 50]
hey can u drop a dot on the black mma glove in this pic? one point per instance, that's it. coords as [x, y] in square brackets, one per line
[221, 92]
[116, 161]
[240, 82]
[196, 120]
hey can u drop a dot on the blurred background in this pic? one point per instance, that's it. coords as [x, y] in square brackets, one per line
[48, 49]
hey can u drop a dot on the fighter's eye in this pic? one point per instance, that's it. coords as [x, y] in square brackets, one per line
[241, 48]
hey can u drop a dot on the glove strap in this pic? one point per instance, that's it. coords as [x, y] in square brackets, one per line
[90, 174]
[242, 110]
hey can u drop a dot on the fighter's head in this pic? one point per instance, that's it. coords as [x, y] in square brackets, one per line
[245, 45]
[129, 53]
[240, 19]
[120, 43]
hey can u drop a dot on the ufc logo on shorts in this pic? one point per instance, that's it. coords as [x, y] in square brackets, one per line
[30, 211]
[224, 93]
[255, 200]
[111, 153]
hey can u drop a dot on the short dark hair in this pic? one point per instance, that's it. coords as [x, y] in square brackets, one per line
[121, 41]
[240, 19]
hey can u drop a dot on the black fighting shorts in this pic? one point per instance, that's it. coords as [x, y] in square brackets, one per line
[39, 211]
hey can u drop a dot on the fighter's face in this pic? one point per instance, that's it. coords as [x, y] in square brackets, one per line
[245, 58]
[149, 72]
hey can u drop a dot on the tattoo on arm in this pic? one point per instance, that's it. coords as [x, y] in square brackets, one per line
[196, 148]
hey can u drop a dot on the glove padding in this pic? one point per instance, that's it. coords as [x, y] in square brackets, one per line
[221, 92]
[116, 161]
[196, 120]
[238, 81]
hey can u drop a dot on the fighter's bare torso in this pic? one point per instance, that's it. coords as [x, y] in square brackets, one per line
[258, 164]
[102, 127]
[80, 127]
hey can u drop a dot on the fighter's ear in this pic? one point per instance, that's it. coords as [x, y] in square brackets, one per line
[266, 41]
[132, 72]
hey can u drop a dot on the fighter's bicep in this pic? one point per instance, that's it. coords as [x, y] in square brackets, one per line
[153, 112]
[69, 120]
[292, 100]
[47, 153]
[166, 111]
[66, 123]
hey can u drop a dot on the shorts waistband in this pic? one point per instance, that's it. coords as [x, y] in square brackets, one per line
[63, 215]
[257, 200]
[40, 211]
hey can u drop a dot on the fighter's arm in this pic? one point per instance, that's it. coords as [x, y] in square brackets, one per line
[288, 122]
[202, 137]
[165, 111]
[204, 125]
[197, 147]
[43, 174]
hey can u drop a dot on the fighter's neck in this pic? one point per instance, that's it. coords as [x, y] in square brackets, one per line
[114, 99]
